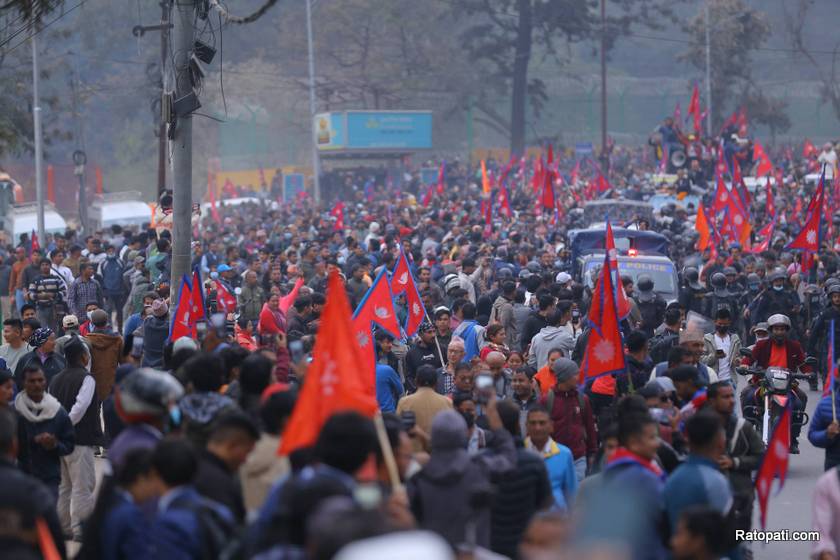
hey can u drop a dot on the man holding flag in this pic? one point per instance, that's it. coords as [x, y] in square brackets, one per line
[824, 427]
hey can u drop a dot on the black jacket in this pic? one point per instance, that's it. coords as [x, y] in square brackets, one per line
[41, 463]
[27, 497]
[533, 324]
[421, 355]
[520, 493]
[65, 387]
[215, 482]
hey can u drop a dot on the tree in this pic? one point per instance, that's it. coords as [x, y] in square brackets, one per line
[826, 68]
[769, 111]
[736, 31]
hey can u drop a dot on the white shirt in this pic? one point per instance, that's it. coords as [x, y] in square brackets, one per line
[829, 158]
[725, 344]
[64, 273]
[83, 400]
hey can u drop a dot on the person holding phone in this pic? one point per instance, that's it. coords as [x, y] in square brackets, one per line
[722, 348]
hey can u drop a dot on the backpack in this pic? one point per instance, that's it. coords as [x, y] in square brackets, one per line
[112, 272]
[218, 535]
[661, 344]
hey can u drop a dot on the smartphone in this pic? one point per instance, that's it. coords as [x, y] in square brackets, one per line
[296, 351]
[137, 346]
[409, 420]
[484, 388]
[218, 322]
[201, 329]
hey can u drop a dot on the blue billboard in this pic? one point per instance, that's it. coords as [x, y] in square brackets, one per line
[374, 130]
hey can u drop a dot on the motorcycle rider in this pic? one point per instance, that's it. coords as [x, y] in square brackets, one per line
[778, 351]
[691, 292]
[819, 329]
[651, 305]
[749, 297]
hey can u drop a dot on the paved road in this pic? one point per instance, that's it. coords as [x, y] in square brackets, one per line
[791, 508]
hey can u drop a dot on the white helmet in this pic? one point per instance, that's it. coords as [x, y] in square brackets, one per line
[778, 320]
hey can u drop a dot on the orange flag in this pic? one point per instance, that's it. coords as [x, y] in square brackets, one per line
[485, 182]
[334, 380]
[46, 544]
[702, 227]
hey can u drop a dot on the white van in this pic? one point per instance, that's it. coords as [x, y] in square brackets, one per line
[124, 209]
[23, 218]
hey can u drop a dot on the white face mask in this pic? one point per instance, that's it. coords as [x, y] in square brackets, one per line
[90, 315]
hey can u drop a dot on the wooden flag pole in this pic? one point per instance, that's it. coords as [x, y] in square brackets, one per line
[387, 452]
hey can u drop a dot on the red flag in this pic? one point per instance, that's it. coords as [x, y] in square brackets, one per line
[46, 543]
[547, 197]
[602, 183]
[775, 462]
[224, 299]
[701, 224]
[740, 221]
[378, 306]
[538, 180]
[504, 201]
[738, 185]
[603, 354]
[622, 304]
[809, 238]
[694, 108]
[441, 184]
[402, 281]
[211, 195]
[808, 149]
[36, 246]
[549, 158]
[427, 198]
[722, 197]
[721, 167]
[334, 381]
[677, 114]
[770, 203]
[765, 236]
[575, 172]
[338, 213]
[199, 311]
[731, 120]
[182, 322]
[765, 166]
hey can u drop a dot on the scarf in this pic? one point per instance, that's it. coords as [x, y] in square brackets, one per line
[625, 456]
[37, 412]
[550, 450]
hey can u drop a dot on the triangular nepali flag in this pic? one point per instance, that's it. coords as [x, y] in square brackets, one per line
[730, 121]
[225, 300]
[770, 202]
[694, 108]
[604, 354]
[809, 238]
[378, 305]
[738, 185]
[602, 183]
[622, 303]
[182, 324]
[722, 165]
[504, 201]
[722, 197]
[775, 462]
[338, 213]
[740, 221]
[334, 379]
[547, 197]
[538, 179]
[765, 235]
[831, 377]
[199, 310]
[402, 281]
[765, 166]
[427, 198]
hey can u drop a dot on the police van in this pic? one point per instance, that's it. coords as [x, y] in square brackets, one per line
[639, 252]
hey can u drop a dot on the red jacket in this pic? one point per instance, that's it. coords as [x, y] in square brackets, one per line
[573, 427]
[795, 355]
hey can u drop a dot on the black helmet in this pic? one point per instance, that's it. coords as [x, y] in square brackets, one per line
[753, 279]
[730, 271]
[831, 281]
[691, 274]
[777, 274]
[718, 280]
[833, 289]
[644, 283]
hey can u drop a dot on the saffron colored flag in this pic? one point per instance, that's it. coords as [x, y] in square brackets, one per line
[402, 281]
[765, 166]
[182, 323]
[775, 462]
[338, 213]
[701, 224]
[831, 377]
[334, 381]
[485, 182]
[604, 354]
[225, 300]
[378, 306]
[694, 108]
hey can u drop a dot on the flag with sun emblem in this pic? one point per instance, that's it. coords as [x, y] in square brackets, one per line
[604, 352]
[378, 306]
[402, 281]
[182, 322]
[775, 462]
[809, 238]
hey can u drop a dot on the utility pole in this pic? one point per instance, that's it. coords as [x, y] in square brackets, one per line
[708, 26]
[605, 158]
[139, 31]
[79, 157]
[181, 145]
[316, 164]
[39, 150]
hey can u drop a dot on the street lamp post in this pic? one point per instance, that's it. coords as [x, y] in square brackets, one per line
[708, 73]
[316, 167]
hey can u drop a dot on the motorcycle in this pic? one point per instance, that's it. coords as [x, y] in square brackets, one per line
[775, 386]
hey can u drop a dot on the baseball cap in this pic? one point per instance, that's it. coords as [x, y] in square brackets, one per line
[70, 322]
[563, 277]
[223, 268]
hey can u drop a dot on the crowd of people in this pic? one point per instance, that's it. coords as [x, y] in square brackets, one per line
[130, 444]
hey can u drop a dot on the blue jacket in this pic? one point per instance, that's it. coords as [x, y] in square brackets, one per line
[696, 482]
[636, 494]
[818, 436]
[125, 531]
[176, 533]
[389, 389]
[561, 473]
